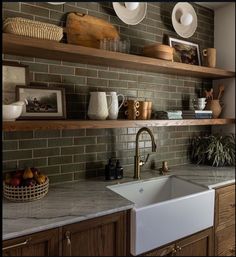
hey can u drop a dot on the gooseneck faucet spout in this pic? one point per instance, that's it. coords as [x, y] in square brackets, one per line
[137, 159]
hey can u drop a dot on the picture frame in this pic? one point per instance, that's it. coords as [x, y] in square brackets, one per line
[185, 51]
[43, 102]
[13, 73]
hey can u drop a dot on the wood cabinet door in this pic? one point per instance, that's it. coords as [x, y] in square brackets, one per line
[44, 243]
[225, 207]
[102, 236]
[168, 250]
[225, 242]
[199, 244]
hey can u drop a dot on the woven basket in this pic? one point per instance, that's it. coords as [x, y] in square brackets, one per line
[36, 29]
[25, 194]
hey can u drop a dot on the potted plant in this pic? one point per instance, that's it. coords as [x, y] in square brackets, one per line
[215, 150]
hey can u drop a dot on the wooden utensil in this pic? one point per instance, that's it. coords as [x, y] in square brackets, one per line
[209, 94]
[221, 90]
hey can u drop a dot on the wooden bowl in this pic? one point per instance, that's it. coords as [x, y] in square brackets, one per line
[159, 51]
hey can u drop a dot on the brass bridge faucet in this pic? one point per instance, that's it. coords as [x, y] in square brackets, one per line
[137, 158]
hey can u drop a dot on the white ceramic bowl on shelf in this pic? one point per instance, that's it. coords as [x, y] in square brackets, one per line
[11, 112]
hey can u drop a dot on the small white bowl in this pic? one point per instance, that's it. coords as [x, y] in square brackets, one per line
[11, 112]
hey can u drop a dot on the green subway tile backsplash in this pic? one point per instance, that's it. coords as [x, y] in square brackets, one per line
[66, 155]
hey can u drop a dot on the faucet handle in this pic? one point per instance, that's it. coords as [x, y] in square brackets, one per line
[147, 158]
[141, 162]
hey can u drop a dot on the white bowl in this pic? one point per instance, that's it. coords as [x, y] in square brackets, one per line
[11, 112]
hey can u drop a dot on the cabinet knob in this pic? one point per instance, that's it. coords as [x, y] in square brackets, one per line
[178, 248]
[232, 205]
[68, 241]
[16, 245]
[173, 252]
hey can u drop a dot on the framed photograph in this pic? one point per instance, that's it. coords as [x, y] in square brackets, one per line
[43, 102]
[13, 74]
[185, 52]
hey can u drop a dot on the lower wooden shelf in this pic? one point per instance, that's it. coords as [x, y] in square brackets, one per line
[24, 125]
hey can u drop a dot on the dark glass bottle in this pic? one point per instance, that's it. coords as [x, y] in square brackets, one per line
[119, 170]
[110, 170]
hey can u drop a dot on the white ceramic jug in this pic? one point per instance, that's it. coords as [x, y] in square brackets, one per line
[98, 109]
[114, 105]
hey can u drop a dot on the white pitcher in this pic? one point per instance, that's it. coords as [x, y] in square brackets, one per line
[98, 109]
[114, 105]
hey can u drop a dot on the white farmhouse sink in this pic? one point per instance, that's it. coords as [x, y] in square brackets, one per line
[166, 209]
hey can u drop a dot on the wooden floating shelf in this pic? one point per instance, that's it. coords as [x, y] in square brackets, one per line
[95, 124]
[25, 46]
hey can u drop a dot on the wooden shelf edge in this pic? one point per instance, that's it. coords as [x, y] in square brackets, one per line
[27, 125]
[31, 47]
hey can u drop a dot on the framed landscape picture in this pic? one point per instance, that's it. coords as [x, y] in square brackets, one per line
[185, 52]
[13, 73]
[43, 103]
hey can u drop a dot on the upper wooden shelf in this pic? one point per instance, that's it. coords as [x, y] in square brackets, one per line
[96, 124]
[25, 46]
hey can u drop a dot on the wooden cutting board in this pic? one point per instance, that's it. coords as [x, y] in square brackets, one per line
[86, 30]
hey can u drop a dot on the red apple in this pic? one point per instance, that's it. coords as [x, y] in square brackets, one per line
[15, 182]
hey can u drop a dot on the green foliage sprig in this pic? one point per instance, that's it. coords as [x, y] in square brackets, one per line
[215, 150]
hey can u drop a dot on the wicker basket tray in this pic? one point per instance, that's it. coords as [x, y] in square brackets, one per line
[30, 28]
[25, 194]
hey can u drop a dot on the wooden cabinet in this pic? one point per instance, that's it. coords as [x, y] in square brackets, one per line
[225, 221]
[44, 243]
[199, 244]
[103, 236]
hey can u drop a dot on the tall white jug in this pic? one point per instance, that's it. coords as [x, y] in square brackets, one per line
[98, 109]
[114, 104]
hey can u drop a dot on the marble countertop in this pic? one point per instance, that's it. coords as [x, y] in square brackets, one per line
[77, 201]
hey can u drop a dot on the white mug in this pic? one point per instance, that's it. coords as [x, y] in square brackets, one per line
[114, 105]
[98, 108]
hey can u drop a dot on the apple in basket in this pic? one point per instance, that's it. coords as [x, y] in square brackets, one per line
[15, 182]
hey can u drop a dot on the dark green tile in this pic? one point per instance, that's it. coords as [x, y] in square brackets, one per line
[108, 75]
[18, 135]
[68, 168]
[13, 14]
[85, 157]
[61, 69]
[97, 82]
[80, 175]
[95, 148]
[47, 77]
[72, 150]
[44, 152]
[9, 165]
[86, 72]
[11, 6]
[16, 155]
[34, 143]
[37, 162]
[34, 10]
[73, 133]
[59, 160]
[9, 145]
[60, 178]
[73, 79]
[50, 170]
[60, 142]
[46, 133]
[84, 140]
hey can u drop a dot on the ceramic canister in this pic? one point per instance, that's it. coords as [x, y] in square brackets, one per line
[98, 107]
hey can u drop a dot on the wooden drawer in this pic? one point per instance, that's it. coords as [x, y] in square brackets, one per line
[225, 206]
[225, 242]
